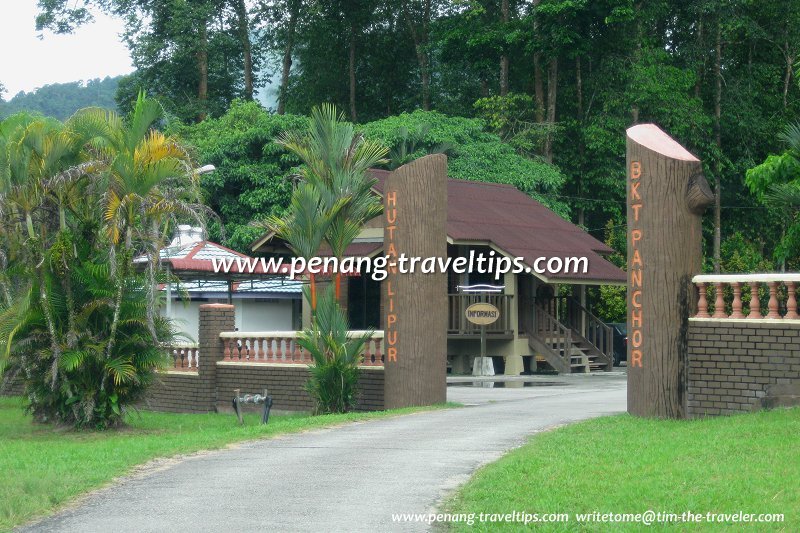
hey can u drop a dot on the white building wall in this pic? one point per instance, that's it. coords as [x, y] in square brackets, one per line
[251, 315]
[263, 316]
[187, 317]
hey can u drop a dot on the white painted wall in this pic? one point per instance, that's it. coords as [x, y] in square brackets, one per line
[263, 316]
[187, 318]
[250, 315]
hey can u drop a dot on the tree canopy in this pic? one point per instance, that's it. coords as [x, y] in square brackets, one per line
[253, 174]
[557, 80]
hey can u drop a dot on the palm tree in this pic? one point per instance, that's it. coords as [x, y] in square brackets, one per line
[336, 160]
[148, 180]
[34, 155]
[336, 355]
[304, 226]
[77, 201]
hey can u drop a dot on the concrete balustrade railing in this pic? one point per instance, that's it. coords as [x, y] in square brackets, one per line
[781, 288]
[281, 347]
[185, 357]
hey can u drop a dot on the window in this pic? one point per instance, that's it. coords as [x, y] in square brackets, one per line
[364, 302]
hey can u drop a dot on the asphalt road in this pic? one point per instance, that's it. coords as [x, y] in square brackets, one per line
[349, 478]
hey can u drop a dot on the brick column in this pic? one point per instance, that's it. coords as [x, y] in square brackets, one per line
[214, 319]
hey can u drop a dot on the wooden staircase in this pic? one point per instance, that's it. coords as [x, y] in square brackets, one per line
[565, 348]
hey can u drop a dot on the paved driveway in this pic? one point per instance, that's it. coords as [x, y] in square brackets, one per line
[350, 478]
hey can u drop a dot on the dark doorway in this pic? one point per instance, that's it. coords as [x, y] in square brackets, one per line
[364, 303]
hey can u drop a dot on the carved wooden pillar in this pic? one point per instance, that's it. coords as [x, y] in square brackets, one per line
[415, 304]
[667, 195]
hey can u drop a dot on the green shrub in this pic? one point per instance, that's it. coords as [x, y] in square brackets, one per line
[92, 387]
[334, 375]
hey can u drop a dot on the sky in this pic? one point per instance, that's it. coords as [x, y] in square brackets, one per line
[27, 62]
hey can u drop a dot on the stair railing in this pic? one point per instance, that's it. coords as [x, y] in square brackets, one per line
[590, 327]
[553, 333]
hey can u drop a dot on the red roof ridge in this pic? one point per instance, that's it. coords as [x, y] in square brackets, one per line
[200, 245]
[196, 248]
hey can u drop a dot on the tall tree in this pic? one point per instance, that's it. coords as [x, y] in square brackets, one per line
[202, 48]
[244, 29]
[504, 17]
[417, 15]
[290, 14]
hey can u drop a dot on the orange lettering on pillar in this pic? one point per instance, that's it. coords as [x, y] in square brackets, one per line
[635, 265]
[636, 318]
[390, 209]
[636, 170]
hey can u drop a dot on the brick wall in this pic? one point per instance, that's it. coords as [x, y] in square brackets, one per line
[211, 387]
[286, 385]
[742, 365]
[175, 392]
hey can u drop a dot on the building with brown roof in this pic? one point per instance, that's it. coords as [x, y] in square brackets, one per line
[542, 315]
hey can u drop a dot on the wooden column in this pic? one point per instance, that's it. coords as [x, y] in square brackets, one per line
[415, 305]
[667, 195]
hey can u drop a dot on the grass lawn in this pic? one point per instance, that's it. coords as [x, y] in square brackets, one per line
[42, 468]
[621, 464]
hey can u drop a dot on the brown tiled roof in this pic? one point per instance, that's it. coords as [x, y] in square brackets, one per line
[356, 249]
[520, 226]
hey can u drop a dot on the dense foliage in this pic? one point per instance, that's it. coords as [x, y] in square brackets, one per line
[78, 202]
[556, 79]
[473, 152]
[253, 174]
[776, 184]
[61, 100]
[253, 171]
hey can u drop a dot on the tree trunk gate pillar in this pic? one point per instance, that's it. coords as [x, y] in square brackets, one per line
[667, 195]
[415, 304]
